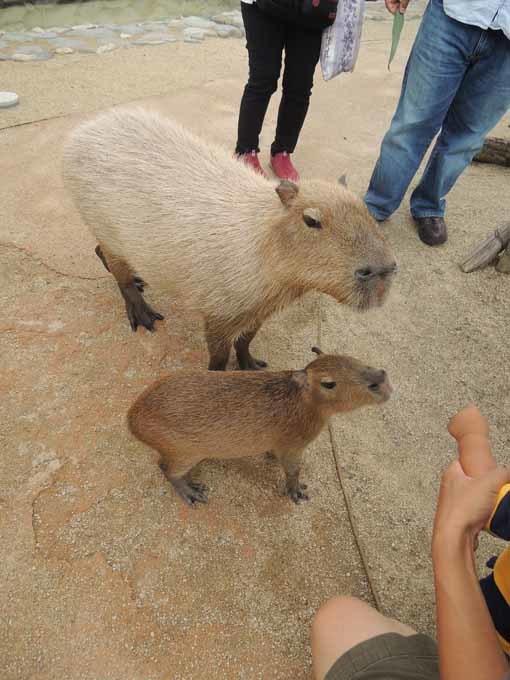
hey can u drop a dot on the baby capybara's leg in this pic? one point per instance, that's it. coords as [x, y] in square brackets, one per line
[179, 476]
[244, 358]
[291, 463]
[131, 287]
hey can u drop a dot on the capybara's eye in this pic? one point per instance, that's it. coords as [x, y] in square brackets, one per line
[328, 385]
[374, 387]
[312, 222]
[364, 274]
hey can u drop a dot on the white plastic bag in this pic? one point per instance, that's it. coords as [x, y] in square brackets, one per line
[341, 41]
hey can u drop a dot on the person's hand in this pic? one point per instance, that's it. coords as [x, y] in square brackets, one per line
[394, 5]
[466, 503]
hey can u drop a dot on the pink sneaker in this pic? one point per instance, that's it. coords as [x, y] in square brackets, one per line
[283, 168]
[251, 158]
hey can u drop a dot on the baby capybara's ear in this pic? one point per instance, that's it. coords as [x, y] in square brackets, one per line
[317, 351]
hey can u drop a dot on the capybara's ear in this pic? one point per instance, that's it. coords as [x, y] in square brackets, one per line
[316, 350]
[312, 218]
[343, 180]
[287, 191]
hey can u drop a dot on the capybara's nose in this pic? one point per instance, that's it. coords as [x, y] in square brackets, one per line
[376, 379]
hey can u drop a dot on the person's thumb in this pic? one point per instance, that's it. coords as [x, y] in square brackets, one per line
[403, 6]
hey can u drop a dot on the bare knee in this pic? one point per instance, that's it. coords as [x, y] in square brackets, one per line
[342, 623]
[336, 611]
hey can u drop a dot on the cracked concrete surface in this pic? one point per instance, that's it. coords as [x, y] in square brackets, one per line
[105, 574]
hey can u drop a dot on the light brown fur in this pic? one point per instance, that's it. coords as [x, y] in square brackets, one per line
[191, 415]
[190, 219]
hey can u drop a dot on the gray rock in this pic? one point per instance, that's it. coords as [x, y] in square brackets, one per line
[18, 37]
[73, 43]
[107, 47]
[3, 44]
[226, 31]
[83, 27]
[31, 53]
[154, 39]
[99, 33]
[154, 26]
[198, 22]
[194, 34]
[132, 29]
[42, 35]
[230, 18]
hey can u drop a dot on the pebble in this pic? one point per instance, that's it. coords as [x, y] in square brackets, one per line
[64, 50]
[125, 36]
[8, 99]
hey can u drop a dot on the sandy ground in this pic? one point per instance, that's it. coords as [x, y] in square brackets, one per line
[105, 574]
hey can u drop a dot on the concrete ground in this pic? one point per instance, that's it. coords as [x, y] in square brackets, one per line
[105, 574]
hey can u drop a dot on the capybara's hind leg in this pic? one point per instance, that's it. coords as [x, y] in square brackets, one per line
[190, 491]
[131, 287]
[242, 346]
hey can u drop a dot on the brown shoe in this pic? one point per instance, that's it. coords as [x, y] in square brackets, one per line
[432, 230]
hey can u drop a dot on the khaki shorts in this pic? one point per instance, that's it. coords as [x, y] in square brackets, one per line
[389, 657]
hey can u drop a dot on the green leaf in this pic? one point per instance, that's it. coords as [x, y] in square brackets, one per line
[398, 25]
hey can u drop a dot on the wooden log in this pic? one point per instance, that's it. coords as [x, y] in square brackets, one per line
[495, 150]
[487, 251]
[503, 264]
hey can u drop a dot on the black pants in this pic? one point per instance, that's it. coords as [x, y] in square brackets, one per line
[266, 38]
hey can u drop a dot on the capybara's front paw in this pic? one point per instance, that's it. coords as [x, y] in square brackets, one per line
[141, 314]
[190, 492]
[298, 493]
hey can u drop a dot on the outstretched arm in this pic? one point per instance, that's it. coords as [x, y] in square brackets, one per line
[469, 647]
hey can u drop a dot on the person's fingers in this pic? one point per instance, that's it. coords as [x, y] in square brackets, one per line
[391, 5]
[402, 6]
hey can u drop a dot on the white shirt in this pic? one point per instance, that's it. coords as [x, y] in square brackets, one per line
[494, 14]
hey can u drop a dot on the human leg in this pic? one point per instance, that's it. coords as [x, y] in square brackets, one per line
[434, 72]
[481, 101]
[264, 41]
[302, 52]
[341, 624]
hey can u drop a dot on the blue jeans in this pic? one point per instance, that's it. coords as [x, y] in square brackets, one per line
[457, 80]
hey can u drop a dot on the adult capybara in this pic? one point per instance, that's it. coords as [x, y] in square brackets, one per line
[195, 414]
[189, 218]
